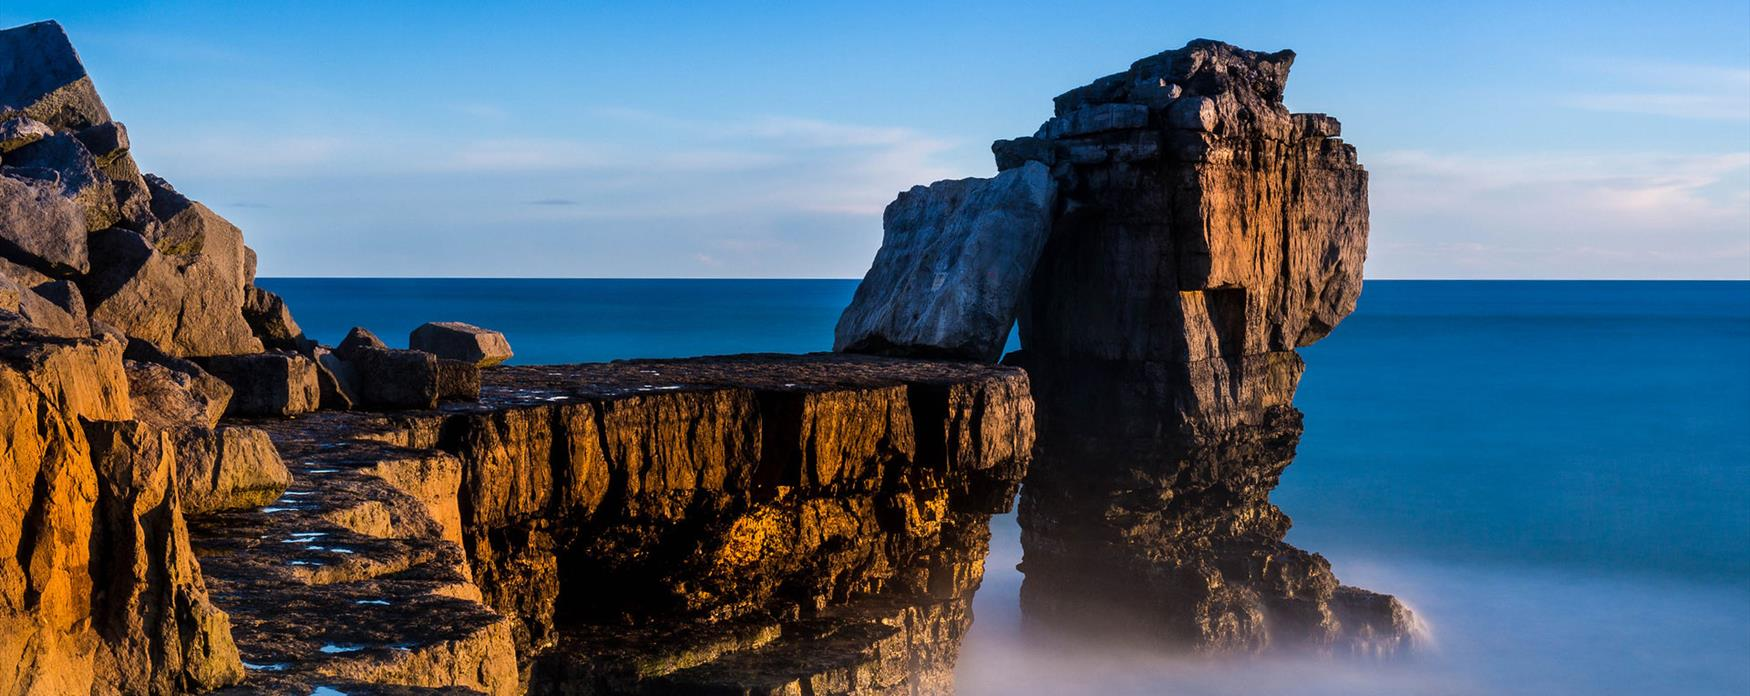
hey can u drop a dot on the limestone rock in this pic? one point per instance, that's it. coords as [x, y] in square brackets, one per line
[357, 339]
[458, 380]
[954, 262]
[168, 399]
[267, 384]
[40, 229]
[212, 393]
[187, 304]
[63, 161]
[1197, 248]
[41, 78]
[271, 320]
[454, 340]
[388, 379]
[18, 131]
[335, 380]
[230, 468]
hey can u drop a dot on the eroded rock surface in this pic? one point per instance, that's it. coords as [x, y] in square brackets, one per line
[749, 523]
[1207, 232]
[954, 264]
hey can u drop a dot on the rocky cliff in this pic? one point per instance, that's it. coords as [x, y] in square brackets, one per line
[1205, 233]
[756, 524]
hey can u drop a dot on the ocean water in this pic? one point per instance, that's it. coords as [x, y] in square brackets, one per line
[1554, 475]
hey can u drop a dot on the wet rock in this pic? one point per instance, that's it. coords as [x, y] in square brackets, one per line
[40, 229]
[454, 340]
[272, 321]
[267, 384]
[954, 261]
[44, 79]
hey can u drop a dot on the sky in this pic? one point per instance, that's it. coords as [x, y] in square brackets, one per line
[604, 139]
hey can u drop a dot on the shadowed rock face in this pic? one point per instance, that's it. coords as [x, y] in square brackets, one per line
[1206, 234]
[757, 524]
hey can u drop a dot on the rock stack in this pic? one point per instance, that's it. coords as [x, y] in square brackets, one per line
[1199, 235]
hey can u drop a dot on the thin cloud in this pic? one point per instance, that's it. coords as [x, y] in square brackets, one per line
[1672, 90]
[1549, 215]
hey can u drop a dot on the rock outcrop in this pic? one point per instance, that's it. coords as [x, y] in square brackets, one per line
[749, 524]
[954, 264]
[1207, 232]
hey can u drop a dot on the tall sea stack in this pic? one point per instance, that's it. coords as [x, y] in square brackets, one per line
[1203, 234]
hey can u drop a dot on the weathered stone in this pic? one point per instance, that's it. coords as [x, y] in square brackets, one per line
[454, 340]
[230, 468]
[359, 338]
[40, 229]
[954, 261]
[48, 308]
[271, 320]
[105, 142]
[267, 384]
[1190, 260]
[105, 595]
[1094, 119]
[63, 161]
[335, 379]
[212, 393]
[41, 78]
[168, 399]
[1014, 153]
[458, 380]
[186, 304]
[388, 379]
[18, 131]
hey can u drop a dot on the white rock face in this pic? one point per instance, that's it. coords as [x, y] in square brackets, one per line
[955, 259]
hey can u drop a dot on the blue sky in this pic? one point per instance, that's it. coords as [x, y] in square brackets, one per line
[1514, 139]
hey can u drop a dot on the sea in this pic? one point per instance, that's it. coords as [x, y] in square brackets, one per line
[1554, 475]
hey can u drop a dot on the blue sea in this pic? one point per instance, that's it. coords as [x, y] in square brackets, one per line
[1554, 475]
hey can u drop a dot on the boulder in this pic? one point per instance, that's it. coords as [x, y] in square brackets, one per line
[40, 229]
[954, 262]
[458, 380]
[105, 142]
[212, 392]
[267, 384]
[64, 161]
[271, 320]
[228, 468]
[359, 338]
[186, 304]
[18, 131]
[335, 380]
[168, 399]
[41, 78]
[454, 340]
[388, 379]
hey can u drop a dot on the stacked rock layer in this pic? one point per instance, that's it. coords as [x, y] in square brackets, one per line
[755, 524]
[1205, 234]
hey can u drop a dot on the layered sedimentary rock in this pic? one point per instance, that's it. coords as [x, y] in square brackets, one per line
[1207, 232]
[954, 264]
[746, 524]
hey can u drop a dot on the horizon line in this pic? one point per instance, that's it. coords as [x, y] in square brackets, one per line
[828, 278]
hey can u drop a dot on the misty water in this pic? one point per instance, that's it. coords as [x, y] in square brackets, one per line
[1552, 474]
